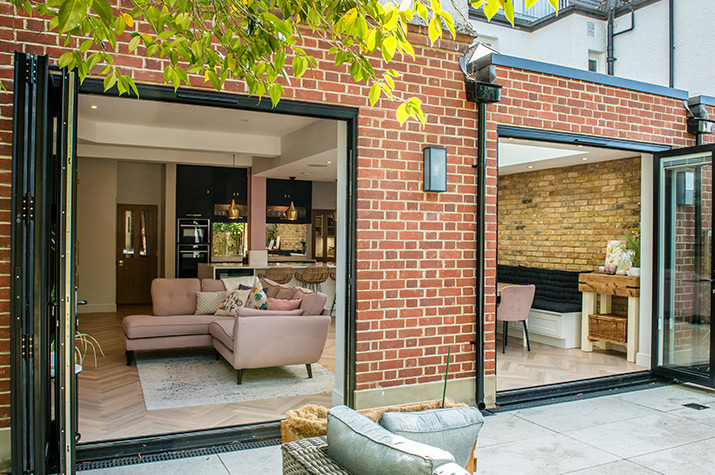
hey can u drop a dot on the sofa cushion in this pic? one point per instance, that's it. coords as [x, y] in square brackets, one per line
[207, 303]
[270, 288]
[212, 285]
[174, 296]
[257, 299]
[150, 326]
[233, 300]
[312, 303]
[257, 312]
[279, 304]
[453, 429]
[222, 330]
[232, 283]
[362, 447]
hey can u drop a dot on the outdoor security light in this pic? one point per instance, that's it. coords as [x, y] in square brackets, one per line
[435, 168]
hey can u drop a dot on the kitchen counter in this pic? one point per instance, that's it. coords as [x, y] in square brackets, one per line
[216, 270]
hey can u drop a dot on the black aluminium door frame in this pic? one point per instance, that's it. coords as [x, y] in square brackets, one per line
[285, 107]
[42, 306]
[670, 372]
[596, 384]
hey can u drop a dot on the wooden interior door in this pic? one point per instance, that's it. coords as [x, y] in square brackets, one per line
[323, 235]
[136, 253]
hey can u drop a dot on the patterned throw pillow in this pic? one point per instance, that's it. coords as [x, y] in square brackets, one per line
[233, 300]
[258, 298]
[207, 303]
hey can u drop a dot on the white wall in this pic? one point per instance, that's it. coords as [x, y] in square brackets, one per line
[96, 233]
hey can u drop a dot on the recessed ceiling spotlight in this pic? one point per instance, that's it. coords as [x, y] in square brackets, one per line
[317, 165]
[584, 158]
[579, 146]
[328, 162]
[93, 106]
[530, 167]
[306, 173]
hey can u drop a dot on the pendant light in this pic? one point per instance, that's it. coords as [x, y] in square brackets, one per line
[292, 212]
[233, 211]
[335, 215]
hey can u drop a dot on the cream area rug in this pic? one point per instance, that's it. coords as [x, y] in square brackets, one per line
[196, 378]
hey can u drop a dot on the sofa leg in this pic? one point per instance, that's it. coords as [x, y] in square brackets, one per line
[239, 376]
[218, 355]
[310, 370]
[130, 356]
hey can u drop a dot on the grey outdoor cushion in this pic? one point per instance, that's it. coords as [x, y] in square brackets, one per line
[362, 447]
[453, 429]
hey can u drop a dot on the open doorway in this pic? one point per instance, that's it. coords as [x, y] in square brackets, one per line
[222, 183]
[560, 205]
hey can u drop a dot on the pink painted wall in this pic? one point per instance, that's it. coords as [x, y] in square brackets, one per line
[257, 213]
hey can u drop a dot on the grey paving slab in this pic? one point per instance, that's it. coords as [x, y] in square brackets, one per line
[205, 465]
[704, 416]
[266, 460]
[690, 459]
[508, 427]
[620, 467]
[551, 454]
[668, 398]
[643, 435]
[585, 413]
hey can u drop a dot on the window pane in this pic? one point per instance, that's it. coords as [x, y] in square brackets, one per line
[144, 233]
[128, 234]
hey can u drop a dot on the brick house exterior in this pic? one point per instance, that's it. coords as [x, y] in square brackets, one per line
[416, 251]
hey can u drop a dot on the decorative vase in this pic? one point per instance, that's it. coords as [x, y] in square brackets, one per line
[634, 272]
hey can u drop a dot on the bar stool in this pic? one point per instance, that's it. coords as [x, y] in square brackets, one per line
[279, 275]
[313, 277]
[335, 292]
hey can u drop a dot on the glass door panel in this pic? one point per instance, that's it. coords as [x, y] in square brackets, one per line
[684, 268]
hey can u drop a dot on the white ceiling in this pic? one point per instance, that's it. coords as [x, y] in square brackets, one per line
[519, 156]
[143, 130]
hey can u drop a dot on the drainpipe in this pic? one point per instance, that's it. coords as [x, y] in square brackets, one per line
[610, 57]
[479, 75]
[671, 45]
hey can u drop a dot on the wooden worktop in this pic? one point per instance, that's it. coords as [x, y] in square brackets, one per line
[600, 283]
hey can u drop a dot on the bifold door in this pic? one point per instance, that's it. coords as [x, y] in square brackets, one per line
[42, 269]
[684, 278]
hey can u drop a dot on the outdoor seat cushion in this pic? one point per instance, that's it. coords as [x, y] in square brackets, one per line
[222, 330]
[363, 447]
[556, 290]
[453, 429]
[150, 326]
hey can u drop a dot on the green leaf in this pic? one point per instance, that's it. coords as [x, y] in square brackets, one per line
[491, 8]
[71, 14]
[119, 25]
[213, 78]
[422, 11]
[391, 18]
[555, 4]
[134, 43]
[130, 81]
[275, 93]
[350, 16]
[402, 113]
[93, 60]
[450, 23]
[407, 48]
[104, 10]
[436, 6]
[66, 59]
[109, 81]
[389, 46]
[435, 29]
[165, 35]
[509, 11]
[168, 74]
[374, 94]
[371, 41]
[299, 66]
[529, 3]
[86, 44]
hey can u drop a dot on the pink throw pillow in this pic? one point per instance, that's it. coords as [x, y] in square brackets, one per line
[279, 304]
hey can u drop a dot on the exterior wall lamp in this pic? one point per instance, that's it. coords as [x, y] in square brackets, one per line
[435, 168]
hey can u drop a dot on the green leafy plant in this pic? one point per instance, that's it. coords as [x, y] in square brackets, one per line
[258, 41]
[633, 243]
[83, 343]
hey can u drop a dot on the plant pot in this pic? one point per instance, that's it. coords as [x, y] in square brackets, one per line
[634, 272]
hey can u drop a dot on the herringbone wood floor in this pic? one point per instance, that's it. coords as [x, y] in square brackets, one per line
[111, 405]
[544, 364]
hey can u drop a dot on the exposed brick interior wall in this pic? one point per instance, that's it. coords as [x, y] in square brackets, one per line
[563, 218]
[291, 235]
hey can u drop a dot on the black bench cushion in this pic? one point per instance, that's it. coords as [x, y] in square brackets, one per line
[556, 290]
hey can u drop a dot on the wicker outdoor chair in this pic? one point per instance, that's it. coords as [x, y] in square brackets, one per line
[313, 277]
[309, 457]
[280, 275]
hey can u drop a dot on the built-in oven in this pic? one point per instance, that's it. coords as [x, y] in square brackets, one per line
[188, 258]
[193, 231]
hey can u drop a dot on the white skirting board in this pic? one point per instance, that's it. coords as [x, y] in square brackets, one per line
[562, 330]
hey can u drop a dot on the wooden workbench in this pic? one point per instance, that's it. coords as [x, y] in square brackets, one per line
[605, 286]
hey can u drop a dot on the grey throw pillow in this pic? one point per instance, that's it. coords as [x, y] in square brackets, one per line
[207, 303]
[453, 429]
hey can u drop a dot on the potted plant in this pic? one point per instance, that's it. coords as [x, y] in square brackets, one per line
[633, 244]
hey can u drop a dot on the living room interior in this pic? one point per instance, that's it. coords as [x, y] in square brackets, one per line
[276, 187]
[559, 207]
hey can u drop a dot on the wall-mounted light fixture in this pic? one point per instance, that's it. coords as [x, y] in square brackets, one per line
[435, 168]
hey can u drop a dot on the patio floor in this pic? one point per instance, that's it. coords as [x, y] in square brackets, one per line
[640, 432]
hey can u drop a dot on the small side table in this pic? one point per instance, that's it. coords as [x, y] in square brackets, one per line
[598, 289]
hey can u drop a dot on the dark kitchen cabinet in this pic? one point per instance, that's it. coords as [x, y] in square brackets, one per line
[193, 191]
[229, 184]
[281, 193]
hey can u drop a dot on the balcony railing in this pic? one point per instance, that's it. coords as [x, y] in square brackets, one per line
[539, 10]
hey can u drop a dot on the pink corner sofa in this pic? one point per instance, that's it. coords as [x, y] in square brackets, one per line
[252, 341]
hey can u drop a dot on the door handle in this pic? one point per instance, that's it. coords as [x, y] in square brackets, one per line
[81, 302]
[121, 263]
